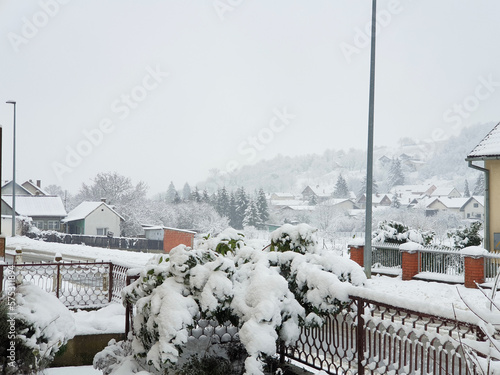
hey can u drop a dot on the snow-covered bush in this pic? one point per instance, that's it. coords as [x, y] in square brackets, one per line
[395, 232]
[268, 295]
[466, 236]
[39, 325]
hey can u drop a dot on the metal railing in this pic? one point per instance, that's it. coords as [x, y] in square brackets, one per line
[373, 337]
[76, 284]
[386, 255]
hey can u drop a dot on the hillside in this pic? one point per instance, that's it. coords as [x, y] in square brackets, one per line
[437, 162]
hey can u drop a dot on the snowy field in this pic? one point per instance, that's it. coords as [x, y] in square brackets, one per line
[431, 297]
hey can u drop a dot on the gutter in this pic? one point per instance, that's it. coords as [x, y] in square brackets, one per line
[486, 201]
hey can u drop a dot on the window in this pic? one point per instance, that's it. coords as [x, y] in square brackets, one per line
[53, 225]
[38, 224]
[102, 231]
[476, 205]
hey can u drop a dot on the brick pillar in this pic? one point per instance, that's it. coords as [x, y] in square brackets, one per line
[357, 254]
[474, 265]
[410, 259]
[474, 271]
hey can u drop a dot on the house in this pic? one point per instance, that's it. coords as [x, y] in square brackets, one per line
[488, 151]
[320, 193]
[282, 196]
[45, 211]
[415, 190]
[467, 208]
[93, 218]
[171, 237]
[34, 189]
[377, 200]
[449, 192]
[7, 189]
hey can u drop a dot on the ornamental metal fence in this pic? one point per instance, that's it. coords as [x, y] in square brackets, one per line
[76, 284]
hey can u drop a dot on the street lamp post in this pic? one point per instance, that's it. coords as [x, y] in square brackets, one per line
[14, 173]
[367, 255]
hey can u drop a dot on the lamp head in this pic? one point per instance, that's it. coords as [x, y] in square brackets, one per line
[10, 102]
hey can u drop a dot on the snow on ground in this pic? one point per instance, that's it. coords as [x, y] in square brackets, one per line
[132, 258]
[81, 370]
[110, 319]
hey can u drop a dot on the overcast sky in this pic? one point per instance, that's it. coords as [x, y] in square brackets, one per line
[167, 90]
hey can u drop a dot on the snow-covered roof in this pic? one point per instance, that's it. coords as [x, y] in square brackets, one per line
[42, 205]
[414, 189]
[443, 191]
[288, 202]
[84, 209]
[488, 147]
[300, 208]
[453, 203]
[322, 191]
[34, 187]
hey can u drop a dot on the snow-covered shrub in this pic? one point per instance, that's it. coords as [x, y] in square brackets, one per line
[267, 295]
[43, 325]
[395, 232]
[466, 236]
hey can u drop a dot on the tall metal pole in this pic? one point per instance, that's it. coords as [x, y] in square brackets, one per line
[367, 255]
[14, 173]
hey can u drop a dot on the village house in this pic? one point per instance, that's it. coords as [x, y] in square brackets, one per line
[93, 218]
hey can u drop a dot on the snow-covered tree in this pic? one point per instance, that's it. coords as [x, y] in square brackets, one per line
[396, 176]
[395, 232]
[467, 236]
[119, 191]
[262, 207]
[186, 192]
[395, 202]
[241, 201]
[171, 193]
[362, 190]
[252, 217]
[177, 198]
[195, 195]
[480, 184]
[267, 294]
[222, 202]
[341, 189]
[205, 198]
[466, 189]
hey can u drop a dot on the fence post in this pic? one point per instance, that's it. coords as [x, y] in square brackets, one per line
[356, 251]
[58, 275]
[473, 265]
[110, 281]
[410, 259]
[1, 278]
[360, 335]
[18, 258]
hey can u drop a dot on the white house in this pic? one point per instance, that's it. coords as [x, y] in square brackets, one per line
[93, 218]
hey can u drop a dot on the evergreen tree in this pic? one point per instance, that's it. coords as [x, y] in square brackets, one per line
[479, 188]
[341, 189]
[177, 198]
[222, 206]
[186, 192]
[195, 195]
[205, 198]
[396, 176]
[362, 190]
[262, 207]
[466, 189]
[242, 201]
[395, 203]
[232, 210]
[313, 201]
[171, 192]
[251, 215]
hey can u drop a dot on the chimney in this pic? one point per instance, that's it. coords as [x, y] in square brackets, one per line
[39, 183]
[103, 200]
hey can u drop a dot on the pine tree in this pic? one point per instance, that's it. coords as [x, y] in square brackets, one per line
[186, 192]
[362, 190]
[232, 210]
[466, 189]
[396, 176]
[177, 198]
[171, 192]
[313, 201]
[222, 206]
[241, 206]
[262, 207]
[395, 203]
[251, 215]
[479, 188]
[341, 189]
[205, 198]
[195, 195]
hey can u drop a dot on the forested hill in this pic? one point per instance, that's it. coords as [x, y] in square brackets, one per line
[435, 161]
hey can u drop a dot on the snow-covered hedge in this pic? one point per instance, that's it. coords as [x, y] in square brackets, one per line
[38, 326]
[395, 232]
[267, 294]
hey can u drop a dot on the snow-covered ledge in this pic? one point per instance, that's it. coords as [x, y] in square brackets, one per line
[473, 252]
[356, 242]
[410, 247]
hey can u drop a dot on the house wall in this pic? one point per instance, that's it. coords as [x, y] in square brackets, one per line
[48, 223]
[471, 212]
[102, 217]
[154, 234]
[494, 167]
[173, 238]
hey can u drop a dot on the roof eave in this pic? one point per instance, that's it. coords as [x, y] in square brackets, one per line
[484, 157]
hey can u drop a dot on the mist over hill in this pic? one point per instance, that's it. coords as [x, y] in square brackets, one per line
[439, 162]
